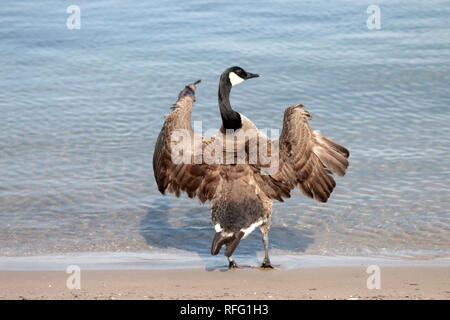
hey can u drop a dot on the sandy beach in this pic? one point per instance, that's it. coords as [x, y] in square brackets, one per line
[301, 283]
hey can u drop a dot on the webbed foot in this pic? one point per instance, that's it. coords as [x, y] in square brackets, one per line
[266, 264]
[233, 265]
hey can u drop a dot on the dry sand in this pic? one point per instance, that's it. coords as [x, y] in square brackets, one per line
[302, 283]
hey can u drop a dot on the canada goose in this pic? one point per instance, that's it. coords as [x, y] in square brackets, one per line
[241, 194]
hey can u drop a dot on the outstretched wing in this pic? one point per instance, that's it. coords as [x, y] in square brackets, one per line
[307, 157]
[195, 179]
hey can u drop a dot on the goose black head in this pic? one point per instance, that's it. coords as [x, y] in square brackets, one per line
[237, 75]
[229, 78]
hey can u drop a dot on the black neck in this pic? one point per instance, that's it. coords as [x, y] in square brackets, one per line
[230, 118]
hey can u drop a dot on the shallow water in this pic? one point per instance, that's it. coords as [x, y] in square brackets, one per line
[81, 110]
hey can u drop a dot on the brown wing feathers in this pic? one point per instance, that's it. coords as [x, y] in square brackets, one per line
[192, 178]
[309, 157]
[332, 155]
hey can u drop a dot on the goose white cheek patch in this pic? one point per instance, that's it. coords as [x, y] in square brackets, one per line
[235, 79]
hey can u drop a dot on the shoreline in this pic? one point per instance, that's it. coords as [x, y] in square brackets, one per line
[144, 275]
[350, 283]
[186, 260]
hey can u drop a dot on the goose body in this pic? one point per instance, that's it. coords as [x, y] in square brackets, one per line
[240, 186]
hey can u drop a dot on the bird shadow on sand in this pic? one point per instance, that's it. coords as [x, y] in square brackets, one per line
[189, 229]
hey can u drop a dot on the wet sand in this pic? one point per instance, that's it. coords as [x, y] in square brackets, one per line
[301, 283]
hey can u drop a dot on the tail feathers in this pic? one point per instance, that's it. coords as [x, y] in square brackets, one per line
[234, 243]
[217, 243]
[231, 241]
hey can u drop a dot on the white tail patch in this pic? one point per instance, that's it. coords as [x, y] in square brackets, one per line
[219, 228]
[235, 79]
[246, 231]
[252, 227]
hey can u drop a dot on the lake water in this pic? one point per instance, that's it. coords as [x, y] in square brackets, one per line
[81, 110]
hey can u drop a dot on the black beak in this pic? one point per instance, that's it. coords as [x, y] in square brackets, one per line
[251, 75]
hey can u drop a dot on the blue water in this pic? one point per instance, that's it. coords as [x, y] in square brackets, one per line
[81, 110]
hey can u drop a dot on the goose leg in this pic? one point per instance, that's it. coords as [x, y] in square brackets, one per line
[265, 232]
[231, 263]
[266, 262]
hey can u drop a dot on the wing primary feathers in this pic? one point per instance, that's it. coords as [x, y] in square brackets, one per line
[307, 158]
